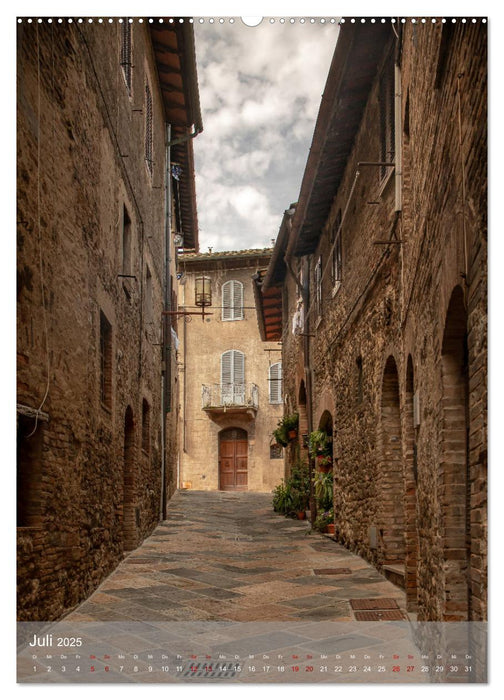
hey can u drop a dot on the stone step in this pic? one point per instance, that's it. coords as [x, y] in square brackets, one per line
[396, 574]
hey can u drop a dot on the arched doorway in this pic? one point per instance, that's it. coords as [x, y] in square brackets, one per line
[233, 460]
[391, 473]
[454, 481]
[129, 516]
[411, 480]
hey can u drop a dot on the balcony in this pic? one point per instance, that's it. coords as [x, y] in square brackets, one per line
[227, 399]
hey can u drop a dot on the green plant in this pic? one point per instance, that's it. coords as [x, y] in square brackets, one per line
[292, 495]
[284, 426]
[318, 443]
[282, 500]
[323, 520]
[323, 487]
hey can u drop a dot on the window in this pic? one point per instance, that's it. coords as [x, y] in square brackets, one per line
[275, 383]
[145, 426]
[148, 295]
[387, 130]
[126, 52]
[232, 301]
[318, 286]
[336, 251]
[276, 452]
[233, 377]
[105, 361]
[148, 127]
[360, 391]
[126, 243]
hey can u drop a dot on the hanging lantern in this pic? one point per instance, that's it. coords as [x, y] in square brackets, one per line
[203, 291]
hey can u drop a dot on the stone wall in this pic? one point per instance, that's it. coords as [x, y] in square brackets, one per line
[398, 353]
[83, 180]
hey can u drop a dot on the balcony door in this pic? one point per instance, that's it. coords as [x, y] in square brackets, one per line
[233, 456]
[233, 378]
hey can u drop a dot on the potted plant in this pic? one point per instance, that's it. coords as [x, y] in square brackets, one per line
[299, 503]
[291, 423]
[286, 429]
[324, 462]
[318, 443]
[323, 487]
[324, 521]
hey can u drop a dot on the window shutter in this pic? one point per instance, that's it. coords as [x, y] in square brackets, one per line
[232, 300]
[227, 367]
[275, 383]
[238, 367]
[237, 300]
[226, 301]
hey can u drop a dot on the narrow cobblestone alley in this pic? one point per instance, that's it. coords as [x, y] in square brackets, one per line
[228, 556]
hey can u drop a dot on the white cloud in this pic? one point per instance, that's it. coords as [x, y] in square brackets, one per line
[260, 91]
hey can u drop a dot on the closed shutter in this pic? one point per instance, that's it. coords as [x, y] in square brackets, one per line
[275, 383]
[237, 300]
[233, 377]
[232, 300]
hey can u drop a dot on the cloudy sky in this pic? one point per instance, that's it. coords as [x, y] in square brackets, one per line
[260, 90]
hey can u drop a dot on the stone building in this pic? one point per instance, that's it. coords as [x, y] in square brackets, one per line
[231, 390]
[381, 270]
[106, 117]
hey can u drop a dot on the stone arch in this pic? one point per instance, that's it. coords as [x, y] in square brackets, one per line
[453, 472]
[411, 480]
[130, 537]
[390, 470]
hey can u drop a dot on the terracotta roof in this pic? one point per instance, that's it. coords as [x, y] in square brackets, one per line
[175, 56]
[268, 307]
[226, 254]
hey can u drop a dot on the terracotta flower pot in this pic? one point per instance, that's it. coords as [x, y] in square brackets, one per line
[301, 515]
[292, 434]
[330, 528]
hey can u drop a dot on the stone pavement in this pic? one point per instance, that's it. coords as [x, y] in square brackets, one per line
[224, 556]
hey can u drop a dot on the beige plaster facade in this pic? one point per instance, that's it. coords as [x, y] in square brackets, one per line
[203, 342]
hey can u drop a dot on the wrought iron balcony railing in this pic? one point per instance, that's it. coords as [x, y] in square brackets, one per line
[222, 395]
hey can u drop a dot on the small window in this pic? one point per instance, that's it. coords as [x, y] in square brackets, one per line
[276, 452]
[148, 128]
[318, 286]
[126, 52]
[145, 426]
[275, 383]
[359, 392]
[232, 301]
[126, 243]
[105, 361]
[336, 251]
[148, 295]
[387, 126]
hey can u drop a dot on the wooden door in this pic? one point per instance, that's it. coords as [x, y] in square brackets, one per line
[233, 455]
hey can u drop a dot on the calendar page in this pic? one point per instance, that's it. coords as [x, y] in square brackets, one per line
[251, 350]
